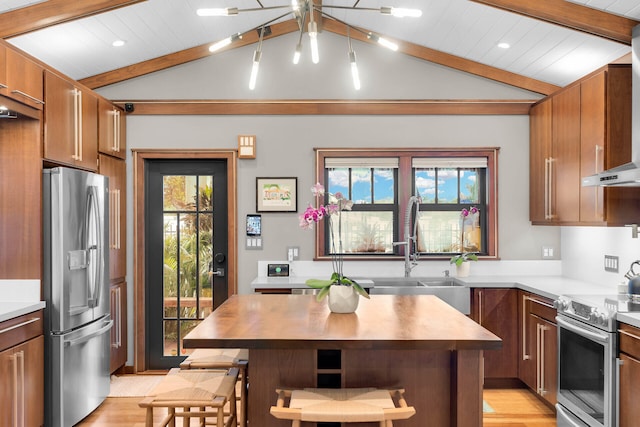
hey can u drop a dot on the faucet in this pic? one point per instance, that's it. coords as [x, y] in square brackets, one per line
[410, 260]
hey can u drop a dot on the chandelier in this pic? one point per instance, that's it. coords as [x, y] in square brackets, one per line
[303, 12]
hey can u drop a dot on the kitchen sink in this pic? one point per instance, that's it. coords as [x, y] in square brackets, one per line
[450, 290]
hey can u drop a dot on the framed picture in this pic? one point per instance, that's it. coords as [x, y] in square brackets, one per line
[277, 194]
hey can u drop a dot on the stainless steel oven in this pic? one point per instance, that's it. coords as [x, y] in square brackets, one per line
[587, 350]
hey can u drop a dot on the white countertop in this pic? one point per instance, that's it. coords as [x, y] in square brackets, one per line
[18, 297]
[11, 309]
[546, 286]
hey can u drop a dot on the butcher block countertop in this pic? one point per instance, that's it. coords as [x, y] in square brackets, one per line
[383, 321]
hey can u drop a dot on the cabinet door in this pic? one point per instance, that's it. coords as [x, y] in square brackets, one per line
[497, 310]
[548, 365]
[24, 78]
[119, 330]
[111, 129]
[539, 156]
[4, 84]
[22, 384]
[565, 175]
[8, 391]
[629, 385]
[527, 361]
[70, 124]
[592, 143]
[59, 113]
[88, 124]
[115, 169]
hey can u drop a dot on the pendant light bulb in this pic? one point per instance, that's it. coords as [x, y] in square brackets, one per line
[297, 54]
[254, 69]
[313, 37]
[399, 12]
[354, 70]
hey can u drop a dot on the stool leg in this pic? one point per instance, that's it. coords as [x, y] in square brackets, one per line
[149, 418]
[172, 417]
[203, 420]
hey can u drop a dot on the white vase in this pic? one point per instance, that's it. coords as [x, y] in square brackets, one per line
[462, 270]
[343, 299]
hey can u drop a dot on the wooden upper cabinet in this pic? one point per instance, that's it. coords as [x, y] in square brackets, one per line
[70, 124]
[605, 144]
[23, 78]
[565, 164]
[589, 124]
[111, 129]
[539, 162]
[4, 84]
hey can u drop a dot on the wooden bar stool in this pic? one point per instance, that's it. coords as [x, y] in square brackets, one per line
[224, 358]
[206, 391]
[342, 405]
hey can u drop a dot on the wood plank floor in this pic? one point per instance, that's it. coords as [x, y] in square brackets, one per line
[513, 408]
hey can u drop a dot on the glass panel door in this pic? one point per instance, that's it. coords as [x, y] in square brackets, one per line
[186, 242]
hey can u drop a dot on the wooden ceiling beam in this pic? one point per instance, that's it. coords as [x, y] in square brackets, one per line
[452, 61]
[181, 57]
[571, 15]
[42, 15]
[329, 107]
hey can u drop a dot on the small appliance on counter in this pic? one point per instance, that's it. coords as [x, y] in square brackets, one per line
[633, 286]
[76, 289]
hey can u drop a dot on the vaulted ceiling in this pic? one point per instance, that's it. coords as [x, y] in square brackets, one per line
[552, 42]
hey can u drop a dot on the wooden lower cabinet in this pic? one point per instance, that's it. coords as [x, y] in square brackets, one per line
[119, 331]
[538, 358]
[497, 311]
[629, 384]
[22, 372]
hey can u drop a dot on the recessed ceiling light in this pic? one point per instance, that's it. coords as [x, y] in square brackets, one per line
[504, 45]
[118, 43]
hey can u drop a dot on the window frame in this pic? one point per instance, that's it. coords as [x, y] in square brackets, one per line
[405, 186]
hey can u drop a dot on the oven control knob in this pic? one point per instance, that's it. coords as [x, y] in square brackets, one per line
[561, 304]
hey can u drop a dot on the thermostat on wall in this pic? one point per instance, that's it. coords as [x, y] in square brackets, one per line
[278, 270]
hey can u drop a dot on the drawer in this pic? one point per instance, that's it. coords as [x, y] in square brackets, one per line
[20, 329]
[629, 340]
[542, 307]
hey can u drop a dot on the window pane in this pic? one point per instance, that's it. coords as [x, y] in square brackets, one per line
[170, 260]
[469, 186]
[363, 232]
[179, 192]
[361, 185]
[188, 265]
[447, 186]
[439, 232]
[383, 186]
[170, 334]
[338, 181]
[205, 184]
[425, 184]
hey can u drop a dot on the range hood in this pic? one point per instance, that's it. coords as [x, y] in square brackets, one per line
[627, 175]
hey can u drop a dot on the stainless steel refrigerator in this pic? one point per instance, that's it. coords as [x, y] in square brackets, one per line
[76, 290]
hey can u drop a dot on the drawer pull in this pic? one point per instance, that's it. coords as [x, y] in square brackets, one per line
[629, 334]
[26, 95]
[19, 325]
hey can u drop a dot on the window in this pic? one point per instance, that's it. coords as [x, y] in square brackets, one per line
[380, 183]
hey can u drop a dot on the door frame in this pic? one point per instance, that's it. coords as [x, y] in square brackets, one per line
[139, 161]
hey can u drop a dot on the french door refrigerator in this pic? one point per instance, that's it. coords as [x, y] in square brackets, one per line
[76, 290]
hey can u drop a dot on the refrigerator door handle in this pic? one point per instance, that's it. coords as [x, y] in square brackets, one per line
[80, 340]
[93, 230]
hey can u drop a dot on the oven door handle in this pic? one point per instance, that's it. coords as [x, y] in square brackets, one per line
[595, 336]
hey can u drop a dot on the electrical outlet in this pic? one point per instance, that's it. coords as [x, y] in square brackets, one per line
[611, 263]
[547, 252]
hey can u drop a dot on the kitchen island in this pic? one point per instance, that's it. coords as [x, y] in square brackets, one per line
[416, 342]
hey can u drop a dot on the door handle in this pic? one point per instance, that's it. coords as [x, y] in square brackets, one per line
[218, 272]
